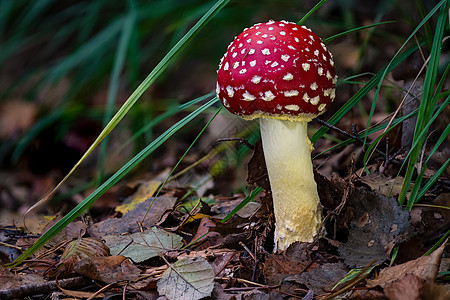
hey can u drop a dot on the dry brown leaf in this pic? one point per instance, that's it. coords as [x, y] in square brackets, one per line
[108, 269]
[129, 222]
[425, 267]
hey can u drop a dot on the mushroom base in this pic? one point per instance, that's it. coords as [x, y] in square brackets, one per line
[296, 203]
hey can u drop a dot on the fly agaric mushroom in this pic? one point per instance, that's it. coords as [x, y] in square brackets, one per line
[283, 74]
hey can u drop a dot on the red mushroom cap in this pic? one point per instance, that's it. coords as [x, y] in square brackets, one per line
[278, 70]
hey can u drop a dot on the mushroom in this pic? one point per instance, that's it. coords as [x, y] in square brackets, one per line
[283, 74]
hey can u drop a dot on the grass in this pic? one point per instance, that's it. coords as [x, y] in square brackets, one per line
[104, 51]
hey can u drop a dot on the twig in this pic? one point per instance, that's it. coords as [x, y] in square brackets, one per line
[42, 288]
[353, 135]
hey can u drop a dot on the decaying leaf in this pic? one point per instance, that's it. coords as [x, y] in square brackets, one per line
[413, 287]
[425, 267]
[294, 261]
[108, 269]
[82, 248]
[128, 222]
[380, 223]
[319, 279]
[144, 192]
[141, 246]
[187, 279]
[386, 186]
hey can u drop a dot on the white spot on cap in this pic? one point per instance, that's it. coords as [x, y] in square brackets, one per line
[311, 37]
[225, 102]
[316, 52]
[248, 97]
[324, 57]
[226, 66]
[329, 75]
[217, 88]
[265, 51]
[243, 63]
[251, 51]
[291, 93]
[315, 100]
[258, 33]
[288, 76]
[293, 107]
[256, 79]
[235, 65]
[259, 42]
[268, 96]
[333, 94]
[243, 51]
[234, 54]
[274, 64]
[314, 86]
[281, 24]
[253, 63]
[242, 71]
[322, 106]
[285, 57]
[292, 47]
[240, 45]
[297, 40]
[331, 62]
[334, 79]
[282, 32]
[230, 91]
[267, 62]
[249, 41]
[273, 38]
[307, 49]
[306, 97]
[306, 66]
[327, 92]
[320, 71]
[294, 28]
[270, 28]
[264, 35]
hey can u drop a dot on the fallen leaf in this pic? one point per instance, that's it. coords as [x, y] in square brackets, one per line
[379, 225]
[141, 246]
[294, 261]
[204, 237]
[144, 192]
[128, 222]
[320, 279]
[79, 249]
[425, 267]
[187, 279]
[108, 269]
[386, 186]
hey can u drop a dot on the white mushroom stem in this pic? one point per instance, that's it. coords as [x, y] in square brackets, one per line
[287, 152]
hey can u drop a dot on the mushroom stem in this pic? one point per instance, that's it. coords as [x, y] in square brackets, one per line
[287, 151]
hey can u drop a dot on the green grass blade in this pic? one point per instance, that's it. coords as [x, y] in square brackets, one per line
[155, 121]
[180, 160]
[243, 203]
[428, 102]
[119, 62]
[438, 243]
[316, 7]
[329, 39]
[361, 93]
[162, 65]
[86, 203]
[377, 91]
